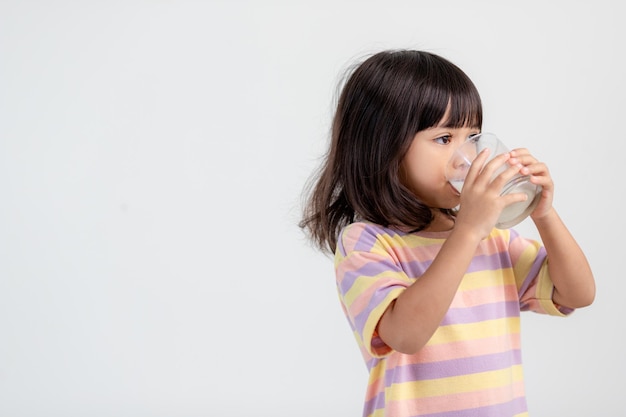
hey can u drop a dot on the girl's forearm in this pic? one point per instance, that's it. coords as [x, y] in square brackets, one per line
[574, 285]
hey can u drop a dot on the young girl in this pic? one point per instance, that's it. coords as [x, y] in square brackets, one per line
[433, 293]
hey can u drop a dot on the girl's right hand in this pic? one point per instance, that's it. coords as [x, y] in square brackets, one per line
[481, 202]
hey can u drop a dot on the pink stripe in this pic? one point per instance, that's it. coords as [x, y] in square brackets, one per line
[376, 385]
[457, 350]
[404, 254]
[351, 236]
[425, 253]
[486, 295]
[496, 244]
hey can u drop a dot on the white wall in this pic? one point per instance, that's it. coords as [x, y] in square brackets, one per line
[152, 156]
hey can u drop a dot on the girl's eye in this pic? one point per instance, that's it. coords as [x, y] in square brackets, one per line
[473, 136]
[443, 139]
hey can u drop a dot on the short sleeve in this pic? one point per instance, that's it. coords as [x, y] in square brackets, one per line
[368, 281]
[535, 288]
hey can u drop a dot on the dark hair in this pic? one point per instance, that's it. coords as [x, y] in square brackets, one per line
[385, 101]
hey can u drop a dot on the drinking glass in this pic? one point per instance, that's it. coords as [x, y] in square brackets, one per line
[462, 159]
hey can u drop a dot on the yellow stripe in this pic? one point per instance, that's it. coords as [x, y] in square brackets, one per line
[456, 384]
[379, 412]
[415, 241]
[544, 284]
[472, 331]
[357, 289]
[545, 288]
[362, 283]
[524, 263]
[486, 279]
[378, 371]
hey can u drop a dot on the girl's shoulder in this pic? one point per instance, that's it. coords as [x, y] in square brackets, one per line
[360, 230]
[362, 236]
[360, 227]
[371, 237]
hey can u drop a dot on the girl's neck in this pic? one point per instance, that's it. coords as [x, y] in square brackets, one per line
[440, 223]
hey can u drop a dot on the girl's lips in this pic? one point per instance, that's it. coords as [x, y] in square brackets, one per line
[454, 190]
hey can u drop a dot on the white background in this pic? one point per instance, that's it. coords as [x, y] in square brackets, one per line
[152, 159]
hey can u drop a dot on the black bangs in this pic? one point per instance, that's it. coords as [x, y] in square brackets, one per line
[465, 110]
[445, 90]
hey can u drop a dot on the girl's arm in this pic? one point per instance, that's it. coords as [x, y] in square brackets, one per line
[574, 285]
[411, 320]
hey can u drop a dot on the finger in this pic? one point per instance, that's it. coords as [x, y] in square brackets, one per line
[505, 176]
[496, 164]
[536, 168]
[523, 156]
[513, 198]
[477, 165]
[519, 152]
[524, 159]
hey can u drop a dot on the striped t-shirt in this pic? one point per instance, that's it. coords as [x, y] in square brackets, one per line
[472, 364]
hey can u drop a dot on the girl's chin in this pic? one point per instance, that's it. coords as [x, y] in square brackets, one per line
[453, 205]
[450, 206]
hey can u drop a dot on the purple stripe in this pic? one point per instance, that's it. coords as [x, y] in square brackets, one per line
[372, 363]
[534, 270]
[415, 269]
[511, 408]
[378, 402]
[367, 239]
[482, 312]
[498, 260]
[370, 234]
[513, 234]
[377, 298]
[453, 367]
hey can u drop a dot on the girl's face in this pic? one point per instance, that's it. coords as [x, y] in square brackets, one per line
[423, 167]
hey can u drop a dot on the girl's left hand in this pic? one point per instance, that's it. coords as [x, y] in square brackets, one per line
[540, 175]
